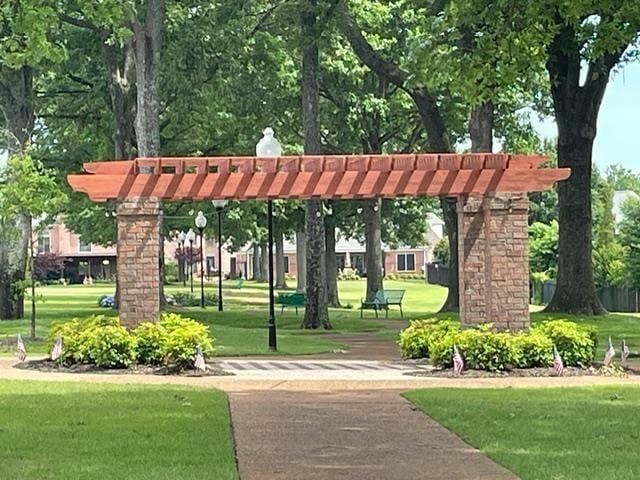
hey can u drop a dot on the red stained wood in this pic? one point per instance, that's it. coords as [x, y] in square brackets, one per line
[305, 177]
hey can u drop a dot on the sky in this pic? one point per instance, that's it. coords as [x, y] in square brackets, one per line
[618, 136]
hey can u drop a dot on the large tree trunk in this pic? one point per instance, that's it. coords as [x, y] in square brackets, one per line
[121, 80]
[373, 246]
[316, 312]
[332, 265]
[281, 280]
[122, 92]
[301, 261]
[147, 39]
[576, 110]
[16, 103]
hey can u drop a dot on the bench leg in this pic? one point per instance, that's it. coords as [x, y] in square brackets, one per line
[282, 310]
[376, 309]
[401, 315]
[386, 312]
[296, 311]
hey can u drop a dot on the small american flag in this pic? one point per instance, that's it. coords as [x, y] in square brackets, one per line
[558, 366]
[609, 354]
[458, 363]
[56, 353]
[199, 363]
[625, 351]
[20, 350]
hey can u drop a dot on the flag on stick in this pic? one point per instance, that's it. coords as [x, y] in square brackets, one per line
[199, 363]
[20, 350]
[558, 366]
[458, 363]
[625, 351]
[609, 354]
[56, 353]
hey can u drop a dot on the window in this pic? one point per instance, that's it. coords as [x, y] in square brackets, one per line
[286, 264]
[44, 243]
[83, 247]
[406, 262]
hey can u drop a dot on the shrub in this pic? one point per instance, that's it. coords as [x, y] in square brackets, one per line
[109, 346]
[441, 251]
[576, 344]
[151, 343]
[77, 336]
[183, 337]
[187, 299]
[106, 301]
[348, 274]
[483, 349]
[415, 340]
[534, 349]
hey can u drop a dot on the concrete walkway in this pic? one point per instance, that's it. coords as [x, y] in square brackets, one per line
[358, 435]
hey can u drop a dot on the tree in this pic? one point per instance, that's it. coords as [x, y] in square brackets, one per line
[589, 38]
[630, 240]
[26, 191]
[316, 313]
[27, 43]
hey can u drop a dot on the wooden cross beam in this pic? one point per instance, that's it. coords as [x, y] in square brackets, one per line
[307, 177]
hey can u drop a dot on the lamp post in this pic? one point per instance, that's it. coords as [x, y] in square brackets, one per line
[181, 238]
[268, 146]
[190, 237]
[201, 222]
[219, 206]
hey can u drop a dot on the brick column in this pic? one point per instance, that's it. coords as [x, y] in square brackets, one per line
[494, 264]
[139, 261]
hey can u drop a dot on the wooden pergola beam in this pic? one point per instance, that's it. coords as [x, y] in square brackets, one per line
[306, 177]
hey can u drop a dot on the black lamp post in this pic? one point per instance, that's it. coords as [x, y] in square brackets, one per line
[191, 236]
[219, 206]
[181, 239]
[201, 222]
[268, 146]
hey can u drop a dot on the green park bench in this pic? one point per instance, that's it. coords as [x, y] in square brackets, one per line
[295, 300]
[239, 284]
[382, 300]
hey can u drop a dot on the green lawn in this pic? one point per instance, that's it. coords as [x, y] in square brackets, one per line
[53, 430]
[242, 328]
[560, 433]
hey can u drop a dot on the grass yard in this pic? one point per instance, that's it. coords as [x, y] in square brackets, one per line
[242, 328]
[559, 433]
[53, 430]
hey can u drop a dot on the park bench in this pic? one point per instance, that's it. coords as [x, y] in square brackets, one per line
[239, 284]
[382, 300]
[295, 300]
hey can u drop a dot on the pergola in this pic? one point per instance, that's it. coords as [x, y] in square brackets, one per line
[491, 191]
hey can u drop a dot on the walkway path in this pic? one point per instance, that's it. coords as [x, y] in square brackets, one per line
[364, 435]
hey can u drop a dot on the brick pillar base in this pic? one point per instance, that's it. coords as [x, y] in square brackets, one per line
[494, 264]
[139, 261]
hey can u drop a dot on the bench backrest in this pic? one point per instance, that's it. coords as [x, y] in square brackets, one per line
[392, 295]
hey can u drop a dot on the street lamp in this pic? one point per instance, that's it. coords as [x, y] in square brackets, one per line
[201, 222]
[190, 237]
[268, 146]
[219, 206]
[181, 239]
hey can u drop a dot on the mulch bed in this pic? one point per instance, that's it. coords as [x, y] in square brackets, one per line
[47, 365]
[616, 371]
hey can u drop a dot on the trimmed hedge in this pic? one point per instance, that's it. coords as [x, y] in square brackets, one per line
[102, 341]
[484, 349]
